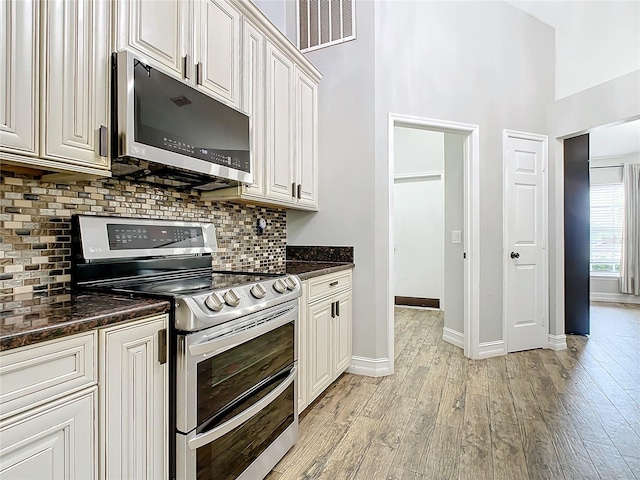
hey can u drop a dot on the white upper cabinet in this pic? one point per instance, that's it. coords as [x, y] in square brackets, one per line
[280, 159]
[19, 65]
[199, 40]
[306, 121]
[55, 96]
[218, 50]
[75, 82]
[158, 29]
[253, 42]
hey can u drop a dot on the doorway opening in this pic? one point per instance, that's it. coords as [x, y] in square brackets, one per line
[433, 169]
[594, 218]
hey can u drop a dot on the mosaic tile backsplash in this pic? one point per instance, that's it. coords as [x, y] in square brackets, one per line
[35, 262]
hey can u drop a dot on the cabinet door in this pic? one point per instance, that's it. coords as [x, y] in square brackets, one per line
[19, 69]
[253, 102]
[75, 80]
[307, 139]
[56, 441]
[157, 29]
[133, 401]
[218, 49]
[342, 333]
[302, 352]
[279, 122]
[320, 351]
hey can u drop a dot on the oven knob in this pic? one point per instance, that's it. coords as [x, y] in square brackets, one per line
[214, 302]
[290, 283]
[280, 286]
[258, 291]
[232, 298]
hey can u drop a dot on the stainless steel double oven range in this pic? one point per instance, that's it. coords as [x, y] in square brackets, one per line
[232, 352]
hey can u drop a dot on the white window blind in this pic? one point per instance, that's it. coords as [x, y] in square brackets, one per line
[325, 22]
[606, 227]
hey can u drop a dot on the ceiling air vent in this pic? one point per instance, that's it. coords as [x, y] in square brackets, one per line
[325, 22]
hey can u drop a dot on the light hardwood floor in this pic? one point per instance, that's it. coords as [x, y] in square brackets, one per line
[573, 414]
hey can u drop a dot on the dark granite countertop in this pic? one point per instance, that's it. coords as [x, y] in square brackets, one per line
[306, 270]
[26, 323]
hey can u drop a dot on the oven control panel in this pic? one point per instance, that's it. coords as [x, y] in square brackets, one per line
[127, 237]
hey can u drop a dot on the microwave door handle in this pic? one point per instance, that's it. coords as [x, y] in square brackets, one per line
[221, 430]
[221, 344]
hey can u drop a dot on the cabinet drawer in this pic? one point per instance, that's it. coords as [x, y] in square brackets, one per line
[328, 284]
[36, 374]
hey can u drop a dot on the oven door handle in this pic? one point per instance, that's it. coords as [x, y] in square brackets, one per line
[224, 343]
[221, 430]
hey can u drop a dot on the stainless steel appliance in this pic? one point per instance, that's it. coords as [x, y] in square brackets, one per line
[233, 355]
[168, 132]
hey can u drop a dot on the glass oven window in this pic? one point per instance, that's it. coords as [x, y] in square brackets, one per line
[230, 377]
[228, 456]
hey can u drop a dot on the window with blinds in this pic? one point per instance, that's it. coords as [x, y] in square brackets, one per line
[606, 227]
[325, 22]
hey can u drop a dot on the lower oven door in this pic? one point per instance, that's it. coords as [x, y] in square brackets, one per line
[243, 443]
[236, 396]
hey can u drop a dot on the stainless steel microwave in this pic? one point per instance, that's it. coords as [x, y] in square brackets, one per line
[169, 131]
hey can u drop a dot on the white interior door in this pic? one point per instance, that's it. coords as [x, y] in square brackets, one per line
[525, 229]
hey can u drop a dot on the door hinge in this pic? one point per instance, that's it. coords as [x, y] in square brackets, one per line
[162, 346]
[544, 244]
[544, 166]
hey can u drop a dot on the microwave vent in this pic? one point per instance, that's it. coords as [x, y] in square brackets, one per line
[181, 101]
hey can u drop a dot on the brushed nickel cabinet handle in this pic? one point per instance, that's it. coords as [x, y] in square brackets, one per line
[104, 138]
[186, 64]
[162, 346]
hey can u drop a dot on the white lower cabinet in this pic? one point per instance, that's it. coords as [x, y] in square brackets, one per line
[57, 422]
[56, 440]
[134, 400]
[325, 343]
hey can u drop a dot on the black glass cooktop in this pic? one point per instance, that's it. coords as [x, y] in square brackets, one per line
[185, 284]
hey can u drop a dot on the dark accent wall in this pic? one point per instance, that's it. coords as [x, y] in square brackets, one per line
[576, 234]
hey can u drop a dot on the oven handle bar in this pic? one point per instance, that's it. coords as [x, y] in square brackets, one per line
[224, 343]
[221, 430]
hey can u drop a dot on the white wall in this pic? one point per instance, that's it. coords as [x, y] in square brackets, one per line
[276, 10]
[346, 174]
[598, 41]
[484, 63]
[454, 220]
[418, 213]
[612, 102]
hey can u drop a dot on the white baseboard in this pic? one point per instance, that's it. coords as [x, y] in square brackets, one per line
[370, 367]
[492, 349]
[453, 337]
[558, 342]
[614, 298]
